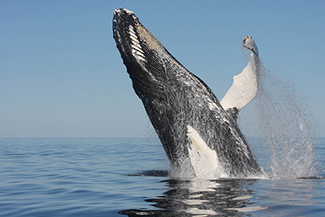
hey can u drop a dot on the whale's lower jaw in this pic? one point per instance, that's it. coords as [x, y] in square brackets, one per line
[193, 127]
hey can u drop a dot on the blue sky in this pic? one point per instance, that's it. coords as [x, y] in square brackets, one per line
[62, 76]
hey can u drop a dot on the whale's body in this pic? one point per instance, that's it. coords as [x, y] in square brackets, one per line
[200, 138]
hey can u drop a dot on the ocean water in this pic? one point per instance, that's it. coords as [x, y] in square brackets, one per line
[129, 177]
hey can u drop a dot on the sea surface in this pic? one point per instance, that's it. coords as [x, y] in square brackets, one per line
[129, 177]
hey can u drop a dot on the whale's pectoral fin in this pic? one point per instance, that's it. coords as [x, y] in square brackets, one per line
[244, 87]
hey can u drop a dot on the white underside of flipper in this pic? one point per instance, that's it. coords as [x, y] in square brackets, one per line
[244, 87]
[203, 159]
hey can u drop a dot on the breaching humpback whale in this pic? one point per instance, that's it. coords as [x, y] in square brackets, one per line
[199, 134]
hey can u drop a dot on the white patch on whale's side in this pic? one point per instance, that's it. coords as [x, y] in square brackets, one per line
[204, 160]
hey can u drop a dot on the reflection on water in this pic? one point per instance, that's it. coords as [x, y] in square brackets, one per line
[75, 177]
[200, 197]
[232, 197]
[298, 192]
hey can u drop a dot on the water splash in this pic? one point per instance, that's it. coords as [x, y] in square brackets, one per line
[283, 122]
[286, 128]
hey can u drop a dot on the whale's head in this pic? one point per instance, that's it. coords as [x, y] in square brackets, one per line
[141, 52]
[158, 79]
